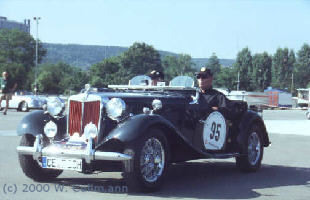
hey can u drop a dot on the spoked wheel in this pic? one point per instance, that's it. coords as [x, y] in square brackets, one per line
[151, 158]
[252, 151]
[31, 167]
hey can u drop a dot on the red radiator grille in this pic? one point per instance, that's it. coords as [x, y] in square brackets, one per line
[91, 114]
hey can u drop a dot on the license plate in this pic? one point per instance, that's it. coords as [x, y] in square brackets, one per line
[62, 163]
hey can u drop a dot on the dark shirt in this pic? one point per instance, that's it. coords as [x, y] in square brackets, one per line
[213, 98]
[7, 85]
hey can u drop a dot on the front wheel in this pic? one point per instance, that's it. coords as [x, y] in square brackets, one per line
[253, 151]
[31, 167]
[150, 162]
[308, 115]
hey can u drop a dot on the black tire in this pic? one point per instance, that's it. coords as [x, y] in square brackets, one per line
[252, 151]
[31, 167]
[23, 106]
[308, 115]
[135, 180]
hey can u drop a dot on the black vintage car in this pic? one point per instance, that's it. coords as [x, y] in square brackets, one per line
[138, 130]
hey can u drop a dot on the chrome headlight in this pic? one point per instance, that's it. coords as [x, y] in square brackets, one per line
[90, 131]
[50, 129]
[55, 106]
[157, 104]
[115, 108]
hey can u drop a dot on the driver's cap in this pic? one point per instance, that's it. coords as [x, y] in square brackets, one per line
[204, 71]
[156, 74]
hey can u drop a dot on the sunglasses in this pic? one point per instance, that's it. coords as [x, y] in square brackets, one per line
[202, 76]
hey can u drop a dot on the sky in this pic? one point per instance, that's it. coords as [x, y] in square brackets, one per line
[195, 27]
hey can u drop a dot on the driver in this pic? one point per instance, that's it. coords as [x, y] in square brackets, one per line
[209, 96]
[156, 76]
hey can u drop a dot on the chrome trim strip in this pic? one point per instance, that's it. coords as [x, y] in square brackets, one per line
[36, 150]
[25, 150]
[112, 156]
[151, 87]
[89, 154]
[82, 118]
[68, 117]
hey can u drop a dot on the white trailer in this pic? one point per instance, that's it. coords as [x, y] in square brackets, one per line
[258, 99]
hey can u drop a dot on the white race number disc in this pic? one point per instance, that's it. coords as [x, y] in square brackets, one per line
[214, 131]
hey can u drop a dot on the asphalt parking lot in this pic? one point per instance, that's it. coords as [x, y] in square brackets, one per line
[285, 172]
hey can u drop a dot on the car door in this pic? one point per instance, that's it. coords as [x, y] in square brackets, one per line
[210, 127]
[14, 102]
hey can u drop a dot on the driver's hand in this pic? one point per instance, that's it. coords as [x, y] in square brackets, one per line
[215, 108]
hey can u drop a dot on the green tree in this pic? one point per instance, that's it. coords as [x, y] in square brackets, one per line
[214, 64]
[282, 68]
[262, 70]
[226, 78]
[177, 66]
[74, 80]
[61, 77]
[109, 71]
[302, 78]
[141, 58]
[49, 80]
[17, 55]
[244, 67]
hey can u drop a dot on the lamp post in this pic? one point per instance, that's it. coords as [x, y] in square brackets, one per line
[292, 84]
[238, 81]
[36, 67]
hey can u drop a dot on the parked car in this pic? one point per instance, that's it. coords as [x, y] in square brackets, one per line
[138, 130]
[24, 101]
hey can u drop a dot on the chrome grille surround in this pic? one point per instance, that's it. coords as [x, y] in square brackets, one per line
[82, 100]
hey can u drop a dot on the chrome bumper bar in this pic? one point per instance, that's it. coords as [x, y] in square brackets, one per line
[88, 154]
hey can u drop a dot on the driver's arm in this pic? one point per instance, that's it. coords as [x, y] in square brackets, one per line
[226, 106]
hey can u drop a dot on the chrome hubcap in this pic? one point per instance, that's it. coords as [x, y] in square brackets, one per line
[24, 107]
[254, 148]
[152, 160]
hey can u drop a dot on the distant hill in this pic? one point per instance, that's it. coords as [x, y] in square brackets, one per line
[84, 56]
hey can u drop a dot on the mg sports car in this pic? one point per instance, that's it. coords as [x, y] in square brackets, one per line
[139, 130]
[24, 101]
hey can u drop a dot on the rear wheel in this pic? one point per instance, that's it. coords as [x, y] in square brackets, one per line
[31, 167]
[23, 106]
[150, 162]
[253, 151]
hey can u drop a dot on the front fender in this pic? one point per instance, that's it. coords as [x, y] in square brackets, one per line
[248, 119]
[34, 122]
[128, 131]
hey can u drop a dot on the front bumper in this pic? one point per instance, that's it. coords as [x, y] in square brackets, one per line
[84, 151]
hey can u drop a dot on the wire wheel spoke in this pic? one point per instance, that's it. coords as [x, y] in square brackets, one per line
[152, 160]
[254, 148]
